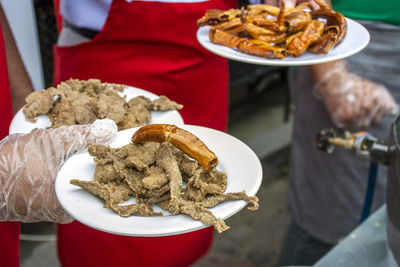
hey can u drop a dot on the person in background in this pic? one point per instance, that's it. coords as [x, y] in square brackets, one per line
[29, 162]
[327, 191]
[151, 45]
[14, 86]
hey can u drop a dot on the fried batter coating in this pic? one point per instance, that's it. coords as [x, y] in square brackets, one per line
[164, 103]
[105, 173]
[156, 179]
[214, 200]
[167, 161]
[95, 188]
[142, 209]
[152, 173]
[82, 102]
[39, 103]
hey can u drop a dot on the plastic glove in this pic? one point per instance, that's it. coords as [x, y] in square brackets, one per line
[353, 101]
[29, 164]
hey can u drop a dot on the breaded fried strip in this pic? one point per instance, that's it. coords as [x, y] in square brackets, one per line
[142, 209]
[156, 179]
[214, 200]
[164, 103]
[167, 161]
[94, 188]
[198, 212]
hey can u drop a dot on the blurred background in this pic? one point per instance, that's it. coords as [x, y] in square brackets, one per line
[261, 116]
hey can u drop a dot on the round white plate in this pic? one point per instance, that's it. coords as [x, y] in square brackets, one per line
[356, 39]
[20, 125]
[235, 158]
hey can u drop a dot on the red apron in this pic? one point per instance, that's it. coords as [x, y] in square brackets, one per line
[9, 231]
[153, 46]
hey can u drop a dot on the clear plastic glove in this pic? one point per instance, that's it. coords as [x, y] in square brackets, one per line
[29, 165]
[353, 102]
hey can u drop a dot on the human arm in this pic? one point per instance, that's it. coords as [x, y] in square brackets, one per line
[20, 83]
[29, 165]
[352, 100]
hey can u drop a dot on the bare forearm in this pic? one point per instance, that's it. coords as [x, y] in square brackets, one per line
[20, 83]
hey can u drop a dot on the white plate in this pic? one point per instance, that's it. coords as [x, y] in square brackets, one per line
[356, 39]
[235, 158]
[20, 125]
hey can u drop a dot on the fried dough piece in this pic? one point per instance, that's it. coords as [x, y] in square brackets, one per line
[297, 21]
[188, 166]
[140, 100]
[216, 16]
[198, 212]
[224, 38]
[311, 33]
[133, 161]
[181, 139]
[120, 192]
[105, 173]
[327, 41]
[261, 49]
[166, 160]
[214, 200]
[110, 105]
[164, 103]
[213, 182]
[94, 188]
[333, 17]
[156, 179]
[203, 183]
[135, 116]
[134, 179]
[142, 209]
[62, 114]
[39, 103]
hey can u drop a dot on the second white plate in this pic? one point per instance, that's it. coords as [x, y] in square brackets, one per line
[356, 39]
[20, 125]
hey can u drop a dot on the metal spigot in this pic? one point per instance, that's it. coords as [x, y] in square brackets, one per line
[364, 145]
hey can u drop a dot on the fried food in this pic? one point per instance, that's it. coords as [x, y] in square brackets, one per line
[154, 170]
[82, 102]
[185, 141]
[276, 32]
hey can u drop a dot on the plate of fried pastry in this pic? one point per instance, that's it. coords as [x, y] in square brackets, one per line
[160, 180]
[83, 101]
[269, 35]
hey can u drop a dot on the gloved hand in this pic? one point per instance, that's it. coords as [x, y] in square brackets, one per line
[29, 165]
[353, 101]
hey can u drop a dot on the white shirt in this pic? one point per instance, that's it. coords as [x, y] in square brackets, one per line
[89, 14]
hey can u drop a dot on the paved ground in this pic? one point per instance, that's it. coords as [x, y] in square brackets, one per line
[255, 237]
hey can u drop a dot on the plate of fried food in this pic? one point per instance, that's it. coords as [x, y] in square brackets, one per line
[160, 180]
[269, 35]
[83, 101]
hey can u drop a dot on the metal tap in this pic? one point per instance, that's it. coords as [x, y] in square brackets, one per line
[364, 145]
